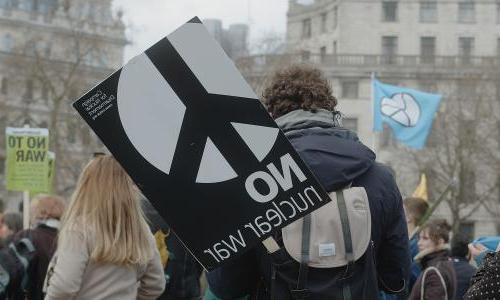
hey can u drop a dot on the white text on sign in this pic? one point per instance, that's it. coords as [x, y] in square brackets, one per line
[281, 212]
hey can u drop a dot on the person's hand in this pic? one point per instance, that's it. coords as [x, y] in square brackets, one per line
[478, 252]
[476, 249]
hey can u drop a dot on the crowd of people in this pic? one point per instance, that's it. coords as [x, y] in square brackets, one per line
[107, 242]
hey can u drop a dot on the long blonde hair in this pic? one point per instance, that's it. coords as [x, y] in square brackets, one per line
[106, 205]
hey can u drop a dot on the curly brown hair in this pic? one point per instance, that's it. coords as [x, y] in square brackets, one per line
[438, 229]
[298, 87]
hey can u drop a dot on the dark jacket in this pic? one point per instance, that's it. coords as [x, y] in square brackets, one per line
[485, 284]
[183, 271]
[414, 272]
[464, 271]
[337, 158]
[433, 285]
[415, 269]
[44, 239]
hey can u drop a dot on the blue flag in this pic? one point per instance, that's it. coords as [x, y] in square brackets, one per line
[408, 112]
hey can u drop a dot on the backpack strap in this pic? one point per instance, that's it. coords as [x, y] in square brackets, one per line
[441, 279]
[28, 248]
[346, 231]
[22, 253]
[346, 228]
[301, 292]
[4, 281]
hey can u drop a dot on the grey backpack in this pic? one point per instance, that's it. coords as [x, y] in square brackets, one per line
[332, 237]
[338, 233]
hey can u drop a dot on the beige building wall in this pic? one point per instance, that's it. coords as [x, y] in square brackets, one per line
[344, 39]
[55, 30]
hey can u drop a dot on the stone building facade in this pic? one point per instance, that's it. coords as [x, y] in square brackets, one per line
[51, 52]
[234, 40]
[449, 47]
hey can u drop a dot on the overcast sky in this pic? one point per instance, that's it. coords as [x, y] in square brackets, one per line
[150, 20]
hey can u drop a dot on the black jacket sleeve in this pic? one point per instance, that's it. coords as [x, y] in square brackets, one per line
[393, 256]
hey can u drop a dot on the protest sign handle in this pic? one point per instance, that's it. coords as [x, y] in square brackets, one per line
[271, 245]
[26, 204]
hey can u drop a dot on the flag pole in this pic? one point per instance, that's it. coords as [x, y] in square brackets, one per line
[372, 104]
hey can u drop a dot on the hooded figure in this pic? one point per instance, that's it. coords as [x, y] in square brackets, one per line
[301, 101]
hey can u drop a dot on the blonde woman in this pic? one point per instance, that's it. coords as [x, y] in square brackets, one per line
[105, 249]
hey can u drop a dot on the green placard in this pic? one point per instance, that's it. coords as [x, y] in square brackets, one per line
[27, 159]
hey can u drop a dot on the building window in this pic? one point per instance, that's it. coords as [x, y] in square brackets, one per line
[498, 12]
[4, 86]
[350, 89]
[306, 55]
[31, 48]
[389, 11]
[323, 22]
[306, 28]
[335, 16]
[428, 12]
[466, 230]
[322, 52]
[26, 5]
[427, 49]
[87, 11]
[465, 49]
[350, 123]
[28, 92]
[7, 43]
[467, 177]
[498, 47]
[389, 49]
[9, 4]
[466, 12]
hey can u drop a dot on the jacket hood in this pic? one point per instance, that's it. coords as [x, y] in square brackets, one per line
[334, 154]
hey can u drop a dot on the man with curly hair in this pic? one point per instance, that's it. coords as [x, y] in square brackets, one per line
[300, 99]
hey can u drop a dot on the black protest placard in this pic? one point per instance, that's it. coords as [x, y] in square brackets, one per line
[193, 136]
